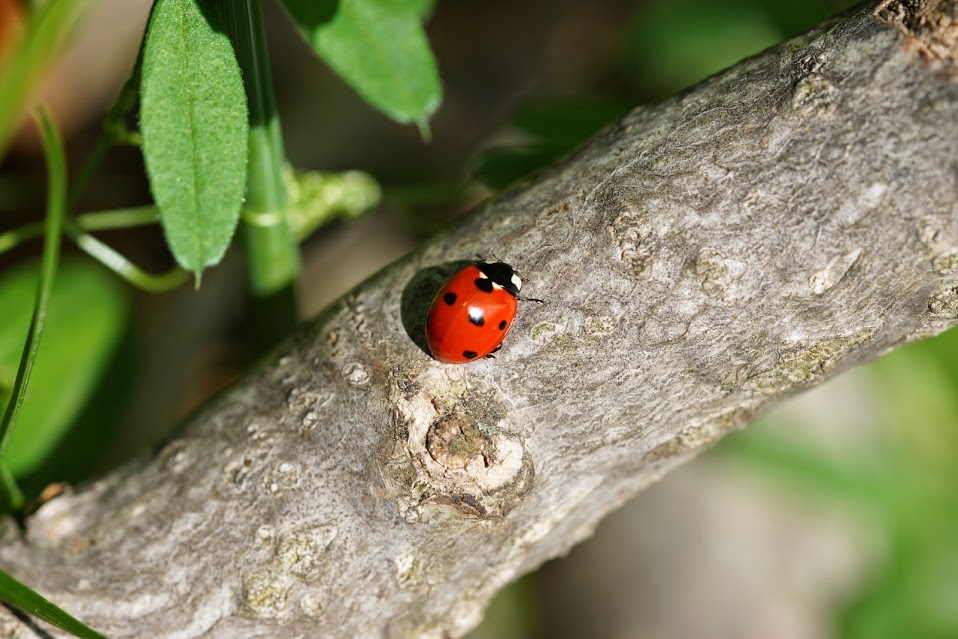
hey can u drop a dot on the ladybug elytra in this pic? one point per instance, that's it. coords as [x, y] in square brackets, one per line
[473, 312]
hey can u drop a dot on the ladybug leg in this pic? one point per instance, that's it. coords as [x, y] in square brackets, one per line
[495, 350]
[532, 299]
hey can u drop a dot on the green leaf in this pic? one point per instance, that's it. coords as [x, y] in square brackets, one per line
[379, 48]
[195, 129]
[15, 594]
[85, 321]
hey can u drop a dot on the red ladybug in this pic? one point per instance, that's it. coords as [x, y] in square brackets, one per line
[473, 312]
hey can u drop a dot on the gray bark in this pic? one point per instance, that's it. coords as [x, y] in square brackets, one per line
[704, 258]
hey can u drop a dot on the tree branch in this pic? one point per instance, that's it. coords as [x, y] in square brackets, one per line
[706, 257]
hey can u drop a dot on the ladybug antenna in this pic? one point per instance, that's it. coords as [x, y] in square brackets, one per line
[532, 299]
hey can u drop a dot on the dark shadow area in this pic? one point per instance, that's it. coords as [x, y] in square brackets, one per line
[312, 14]
[272, 317]
[418, 294]
[29, 622]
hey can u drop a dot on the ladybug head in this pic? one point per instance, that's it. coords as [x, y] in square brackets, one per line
[502, 275]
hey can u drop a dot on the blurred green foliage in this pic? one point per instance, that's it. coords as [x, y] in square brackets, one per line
[86, 321]
[905, 484]
[33, 52]
[691, 39]
[672, 44]
[666, 46]
[317, 198]
[546, 130]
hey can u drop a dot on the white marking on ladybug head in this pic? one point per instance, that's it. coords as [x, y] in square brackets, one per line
[475, 315]
[517, 281]
[483, 275]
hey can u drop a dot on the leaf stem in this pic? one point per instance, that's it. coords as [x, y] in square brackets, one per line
[95, 221]
[271, 249]
[118, 218]
[76, 229]
[116, 262]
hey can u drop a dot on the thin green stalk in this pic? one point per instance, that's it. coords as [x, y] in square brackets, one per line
[56, 211]
[14, 237]
[123, 267]
[76, 229]
[272, 252]
[118, 218]
[15, 594]
[96, 221]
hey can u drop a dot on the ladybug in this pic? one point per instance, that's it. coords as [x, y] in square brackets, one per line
[473, 312]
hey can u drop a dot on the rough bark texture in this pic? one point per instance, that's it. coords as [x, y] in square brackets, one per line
[789, 218]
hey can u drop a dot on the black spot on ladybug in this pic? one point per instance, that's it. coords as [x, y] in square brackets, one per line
[502, 325]
[484, 284]
[475, 316]
[469, 354]
[449, 298]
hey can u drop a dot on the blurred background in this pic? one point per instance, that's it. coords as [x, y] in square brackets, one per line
[834, 516]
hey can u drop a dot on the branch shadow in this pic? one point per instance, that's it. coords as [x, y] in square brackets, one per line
[312, 14]
[29, 622]
[417, 297]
